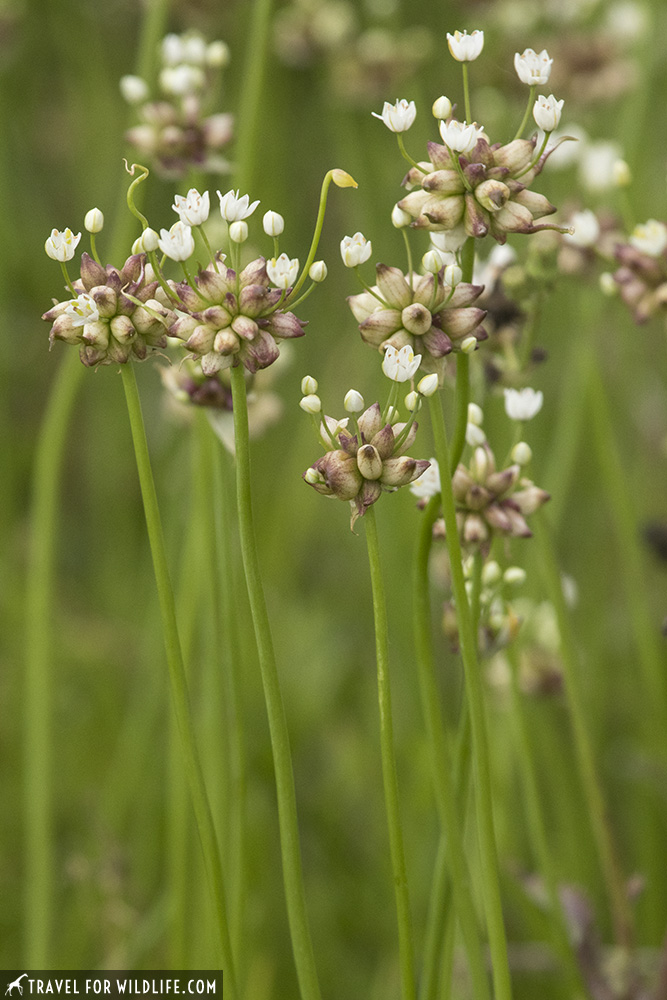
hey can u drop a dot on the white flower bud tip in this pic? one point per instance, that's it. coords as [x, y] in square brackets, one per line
[138, 246]
[491, 573]
[217, 54]
[94, 221]
[317, 271]
[355, 250]
[442, 108]
[522, 453]
[621, 173]
[411, 401]
[149, 240]
[523, 404]
[311, 403]
[469, 345]
[475, 414]
[475, 436]
[309, 385]
[134, 89]
[400, 218]
[397, 117]
[312, 476]
[465, 47]
[452, 275]
[432, 261]
[273, 223]
[238, 231]
[354, 401]
[428, 384]
[608, 285]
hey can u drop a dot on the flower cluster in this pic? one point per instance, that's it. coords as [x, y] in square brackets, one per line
[420, 311]
[642, 274]
[175, 132]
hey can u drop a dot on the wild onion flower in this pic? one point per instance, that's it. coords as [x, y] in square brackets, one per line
[193, 208]
[355, 250]
[426, 315]
[62, 246]
[547, 112]
[235, 208]
[282, 271]
[523, 404]
[465, 47]
[118, 313]
[485, 190]
[233, 317]
[398, 117]
[400, 366]
[532, 67]
[367, 463]
[178, 242]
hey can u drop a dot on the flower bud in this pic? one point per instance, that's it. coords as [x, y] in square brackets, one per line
[312, 476]
[369, 462]
[586, 229]
[134, 89]
[416, 319]
[442, 108]
[428, 384]
[621, 174]
[608, 285]
[94, 221]
[432, 261]
[217, 54]
[311, 403]
[522, 453]
[491, 573]
[475, 414]
[342, 179]
[137, 246]
[354, 401]
[475, 436]
[273, 223]
[452, 275]
[515, 576]
[317, 271]
[411, 401]
[238, 231]
[468, 345]
[149, 240]
[492, 195]
[308, 385]
[399, 218]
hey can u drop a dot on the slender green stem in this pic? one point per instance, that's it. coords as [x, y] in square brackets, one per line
[463, 367]
[620, 909]
[177, 675]
[364, 284]
[282, 760]
[319, 223]
[389, 778]
[256, 61]
[93, 249]
[68, 280]
[406, 155]
[475, 693]
[536, 826]
[526, 115]
[466, 92]
[535, 160]
[440, 913]
[443, 771]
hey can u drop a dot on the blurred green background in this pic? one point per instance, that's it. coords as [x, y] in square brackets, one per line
[63, 124]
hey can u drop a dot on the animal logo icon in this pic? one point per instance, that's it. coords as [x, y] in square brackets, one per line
[17, 984]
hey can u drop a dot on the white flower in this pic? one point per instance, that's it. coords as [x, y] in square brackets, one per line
[273, 223]
[475, 436]
[173, 51]
[82, 309]
[533, 68]
[178, 81]
[397, 117]
[523, 404]
[475, 414]
[650, 238]
[94, 221]
[61, 246]
[451, 240]
[217, 54]
[442, 107]
[586, 229]
[178, 243]
[354, 401]
[459, 136]
[194, 49]
[401, 365]
[465, 47]
[428, 484]
[282, 271]
[133, 88]
[193, 208]
[596, 165]
[333, 428]
[355, 250]
[547, 112]
[234, 208]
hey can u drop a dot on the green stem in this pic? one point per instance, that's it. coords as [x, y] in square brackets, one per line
[256, 60]
[315, 242]
[408, 253]
[177, 674]
[282, 760]
[620, 910]
[389, 764]
[466, 93]
[441, 762]
[406, 155]
[526, 115]
[475, 693]
[463, 367]
[537, 829]
[440, 914]
[68, 280]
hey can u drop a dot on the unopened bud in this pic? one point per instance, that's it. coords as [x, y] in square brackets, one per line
[149, 240]
[452, 275]
[442, 108]
[428, 384]
[432, 261]
[342, 179]
[400, 218]
[522, 453]
[475, 435]
[273, 223]
[134, 89]
[608, 285]
[475, 414]
[308, 385]
[621, 174]
[217, 54]
[238, 231]
[491, 573]
[311, 403]
[411, 401]
[354, 401]
[369, 462]
[468, 345]
[317, 271]
[393, 415]
[94, 221]
[312, 476]
[515, 576]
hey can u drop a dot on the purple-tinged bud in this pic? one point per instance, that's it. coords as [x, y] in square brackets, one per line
[416, 319]
[403, 470]
[245, 327]
[341, 474]
[105, 300]
[516, 155]
[370, 422]
[225, 342]
[492, 195]
[122, 329]
[200, 340]
[474, 529]
[92, 273]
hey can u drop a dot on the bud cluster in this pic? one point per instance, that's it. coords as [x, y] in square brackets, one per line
[175, 131]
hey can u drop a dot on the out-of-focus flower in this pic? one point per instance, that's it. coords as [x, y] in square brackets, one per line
[193, 208]
[355, 250]
[401, 365]
[428, 484]
[62, 246]
[465, 47]
[597, 162]
[532, 67]
[523, 404]
[650, 238]
[547, 112]
[134, 89]
[586, 229]
[398, 117]
[642, 275]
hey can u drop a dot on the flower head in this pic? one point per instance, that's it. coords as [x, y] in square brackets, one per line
[193, 208]
[401, 365]
[465, 47]
[532, 67]
[235, 208]
[547, 112]
[523, 404]
[61, 246]
[355, 250]
[177, 243]
[397, 117]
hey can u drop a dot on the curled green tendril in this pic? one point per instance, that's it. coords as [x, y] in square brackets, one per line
[130, 191]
